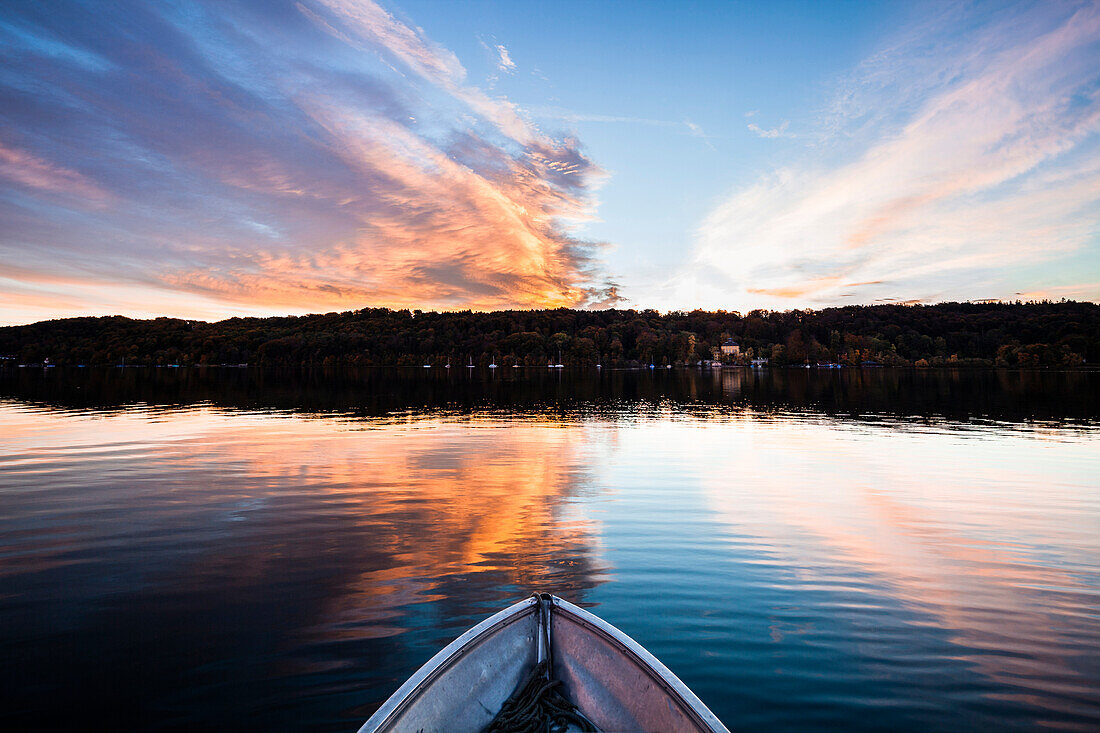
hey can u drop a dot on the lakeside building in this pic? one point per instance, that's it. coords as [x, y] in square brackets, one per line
[731, 348]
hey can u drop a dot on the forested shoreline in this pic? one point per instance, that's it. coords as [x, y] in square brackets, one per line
[1038, 334]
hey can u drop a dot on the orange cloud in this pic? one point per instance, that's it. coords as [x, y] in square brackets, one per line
[471, 226]
[797, 291]
[380, 177]
[1077, 291]
[432, 499]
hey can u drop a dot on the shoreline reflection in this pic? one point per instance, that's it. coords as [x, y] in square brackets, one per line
[261, 551]
[1060, 398]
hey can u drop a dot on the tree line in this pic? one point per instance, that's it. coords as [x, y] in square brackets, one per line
[1034, 334]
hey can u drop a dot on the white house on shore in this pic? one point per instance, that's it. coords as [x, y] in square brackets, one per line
[731, 348]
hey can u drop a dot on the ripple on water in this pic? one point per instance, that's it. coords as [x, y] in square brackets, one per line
[797, 569]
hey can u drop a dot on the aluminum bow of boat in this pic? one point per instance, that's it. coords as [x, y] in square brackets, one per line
[613, 680]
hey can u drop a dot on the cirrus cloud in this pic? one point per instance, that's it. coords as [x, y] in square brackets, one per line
[954, 167]
[286, 156]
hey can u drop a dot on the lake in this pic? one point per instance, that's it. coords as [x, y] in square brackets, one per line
[257, 550]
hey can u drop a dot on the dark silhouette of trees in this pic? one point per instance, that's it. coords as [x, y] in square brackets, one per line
[1037, 334]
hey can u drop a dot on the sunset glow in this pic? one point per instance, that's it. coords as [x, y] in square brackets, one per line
[207, 160]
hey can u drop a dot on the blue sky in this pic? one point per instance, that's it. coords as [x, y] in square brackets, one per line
[662, 95]
[210, 159]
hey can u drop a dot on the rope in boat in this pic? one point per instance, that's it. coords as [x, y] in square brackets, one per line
[538, 707]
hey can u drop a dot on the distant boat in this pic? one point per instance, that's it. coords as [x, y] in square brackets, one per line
[494, 364]
[427, 366]
[539, 659]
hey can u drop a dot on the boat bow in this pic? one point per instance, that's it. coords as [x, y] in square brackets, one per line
[613, 681]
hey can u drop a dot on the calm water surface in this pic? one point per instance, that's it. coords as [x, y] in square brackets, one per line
[872, 549]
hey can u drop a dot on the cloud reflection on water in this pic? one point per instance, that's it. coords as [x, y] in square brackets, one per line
[242, 547]
[334, 535]
[980, 542]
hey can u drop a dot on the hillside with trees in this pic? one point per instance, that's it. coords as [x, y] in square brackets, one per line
[1041, 334]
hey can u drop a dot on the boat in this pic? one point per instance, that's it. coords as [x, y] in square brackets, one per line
[545, 644]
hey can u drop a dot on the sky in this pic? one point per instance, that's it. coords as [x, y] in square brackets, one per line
[266, 157]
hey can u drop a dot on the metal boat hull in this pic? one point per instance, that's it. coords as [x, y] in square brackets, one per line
[613, 680]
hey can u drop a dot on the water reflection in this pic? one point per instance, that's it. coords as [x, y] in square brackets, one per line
[982, 543]
[868, 550]
[118, 528]
[1067, 397]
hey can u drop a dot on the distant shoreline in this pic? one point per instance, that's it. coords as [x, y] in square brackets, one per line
[947, 335]
[573, 369]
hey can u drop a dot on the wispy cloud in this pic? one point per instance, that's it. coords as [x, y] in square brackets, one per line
[435, 64]
[773, 132]
[566, 115]
[697, 131]
[682, 127]
[283, 157]
[994, 165]
[1074, 291]
[22, 168]
[504, 60]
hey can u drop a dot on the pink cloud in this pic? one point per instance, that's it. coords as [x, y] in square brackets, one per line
[295, 181]
[27, 169]
[432, 231]
[990, 170]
